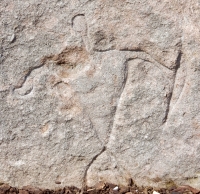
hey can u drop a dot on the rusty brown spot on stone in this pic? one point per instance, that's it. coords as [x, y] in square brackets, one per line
[69, 57]
[52, 79]
[63, 73]
[196, 124]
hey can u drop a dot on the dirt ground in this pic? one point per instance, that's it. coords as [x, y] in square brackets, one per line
[100, 188]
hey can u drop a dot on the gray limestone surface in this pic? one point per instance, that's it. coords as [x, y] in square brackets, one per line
[99, 90]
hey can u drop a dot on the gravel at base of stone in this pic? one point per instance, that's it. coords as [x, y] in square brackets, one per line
[100, 188]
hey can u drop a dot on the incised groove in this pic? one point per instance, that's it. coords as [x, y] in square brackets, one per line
[169, 97]
[121, 91]
[84, 184]
[27, 74]
[72, 20]
[137, 49]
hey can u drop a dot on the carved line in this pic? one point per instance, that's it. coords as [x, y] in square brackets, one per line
[135, 50]
[27, 75]
[181, 94]
[72, 20]
[178, 63]
[84, 184]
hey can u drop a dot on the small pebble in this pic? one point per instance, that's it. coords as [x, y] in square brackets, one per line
[116, 188]
[155, 192]
[12, 39]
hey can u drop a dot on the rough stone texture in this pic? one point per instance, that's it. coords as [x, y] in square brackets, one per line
[99, 91]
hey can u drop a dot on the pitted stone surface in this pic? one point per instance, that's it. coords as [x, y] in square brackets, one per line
[99, 91]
